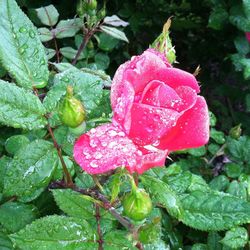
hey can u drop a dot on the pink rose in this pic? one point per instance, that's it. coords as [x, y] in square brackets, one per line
[247, 36]
[156, 109]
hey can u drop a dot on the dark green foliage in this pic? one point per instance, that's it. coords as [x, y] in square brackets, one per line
[200, 202]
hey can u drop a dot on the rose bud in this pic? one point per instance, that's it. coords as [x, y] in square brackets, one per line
[71, 110]
[137, 204]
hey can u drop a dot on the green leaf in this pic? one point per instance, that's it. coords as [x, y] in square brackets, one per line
[180, 182]
[73, 203]
[102, 61]
[115, 21]
[159, 245]
[212, 119]
[20, 108]
[237, 189]
[50, 53]
[114, 32]
[242, 45]
[58, 174]
[199, 246]
[5, 242]
[235, 238]
[45, 34]
[239, 150]
[15, 142]
[87, 88]
[198, 183]
[198, 152]
[162, 193]
[67, 28]
[15, 216]
[65, 139]
[213, 211]
[55, 232]
[4, 161]
[106, 42]
[31, 170]
[117, 239]
[48, 15]
[21, 51]
[219, 183]
[237, 17]
[218, 136]
[233, 170]
[218, 18]
[70, 53]
[213, 241]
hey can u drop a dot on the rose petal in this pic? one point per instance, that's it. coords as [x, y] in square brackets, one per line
[175, 78]
[123, 105]
[188, 98]
[157, 93]
[151, 158]
[105, 148]
[191, 130]
[149, 123]
[138, 72]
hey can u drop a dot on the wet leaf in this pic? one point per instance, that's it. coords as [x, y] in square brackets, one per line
[15, 216]
[20, 108]
[21, 51]
[31, 170]
[55, 232]
[48, 15]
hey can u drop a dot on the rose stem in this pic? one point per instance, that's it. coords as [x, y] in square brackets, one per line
[99, 231]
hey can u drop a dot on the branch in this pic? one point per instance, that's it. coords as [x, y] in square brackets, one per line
[82, 46]
[99, 231]
[98, 196]
[67, 175]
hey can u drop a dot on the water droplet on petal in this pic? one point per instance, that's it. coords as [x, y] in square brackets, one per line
[112, 133]
[121, 134]
[98, 155]
[93, 164]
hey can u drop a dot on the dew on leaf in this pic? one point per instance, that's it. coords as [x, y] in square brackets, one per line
[32, 34]
[22, 30]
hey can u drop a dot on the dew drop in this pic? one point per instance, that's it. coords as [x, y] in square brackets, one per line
[112, 133]
[32, 34]
[112, 144]
[121, 134]
[92, 143]
[23, 30]
[93, 164]
[104, 144]
[43, 62]
[98, 155]
[21, 50]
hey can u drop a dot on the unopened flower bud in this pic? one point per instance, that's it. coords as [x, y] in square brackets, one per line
[71, 110]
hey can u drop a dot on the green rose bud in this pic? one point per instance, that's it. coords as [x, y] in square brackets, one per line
[235, 132]
[86, 6]
[163, 43]
[71, 110]
[137, 204]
